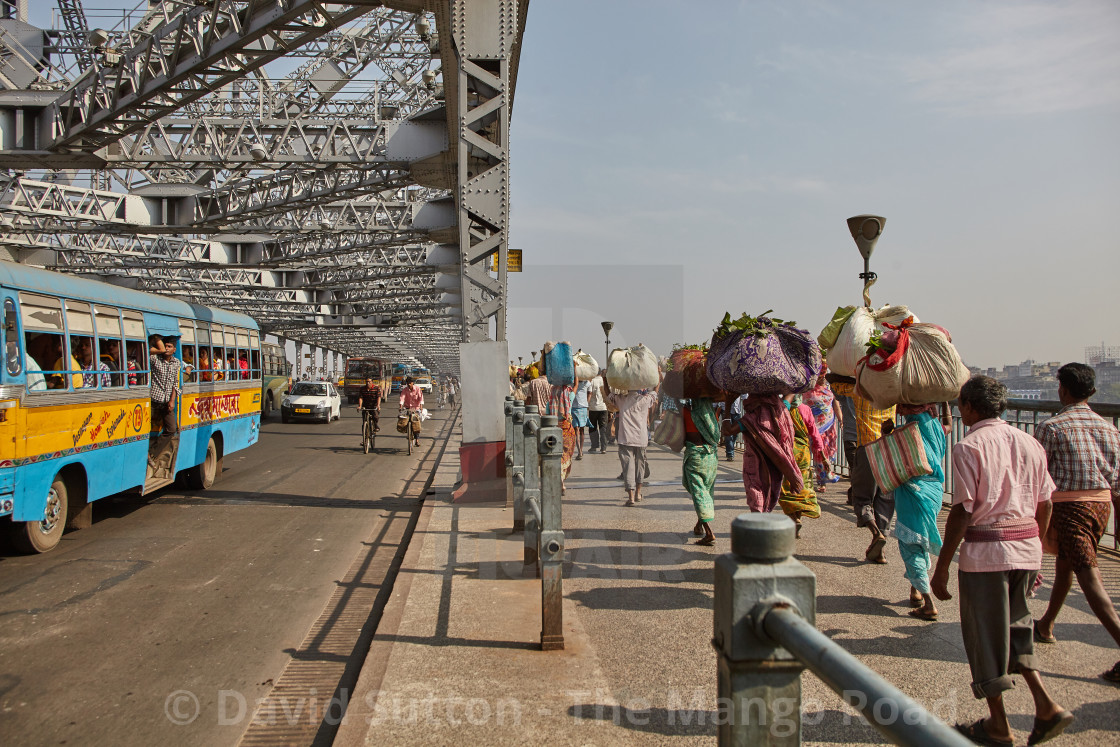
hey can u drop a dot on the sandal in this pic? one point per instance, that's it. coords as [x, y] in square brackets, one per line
[706, 541]
[1113, 675]
[1040, 638]
[1044, 731]
[875, 549]
[979, 735]
[922, 614]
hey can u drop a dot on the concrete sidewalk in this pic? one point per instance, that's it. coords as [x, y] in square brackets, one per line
[455, 659]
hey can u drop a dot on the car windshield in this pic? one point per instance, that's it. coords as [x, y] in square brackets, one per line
[311, 390]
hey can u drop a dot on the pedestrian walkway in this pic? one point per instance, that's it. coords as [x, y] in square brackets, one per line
[455, 659]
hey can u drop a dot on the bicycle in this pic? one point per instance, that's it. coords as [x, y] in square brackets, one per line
[411, 426]
[369, 430]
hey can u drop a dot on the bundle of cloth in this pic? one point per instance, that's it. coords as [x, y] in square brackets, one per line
[762, 355]
[911, 364]
[559, 364]
[587, 368]
[633, 368]
[845, 339]
[686, 375]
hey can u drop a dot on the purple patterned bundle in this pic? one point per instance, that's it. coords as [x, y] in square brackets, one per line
[774, 359]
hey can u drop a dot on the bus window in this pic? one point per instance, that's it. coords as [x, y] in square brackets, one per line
[13, 356]
[108, 323]
[79, 323]
[205, 362]
[43, 340]
[242, 359]
[255, 359]
[187, 349]
[218, 351]
[136, 347]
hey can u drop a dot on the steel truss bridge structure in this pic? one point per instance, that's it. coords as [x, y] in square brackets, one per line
[337, 170]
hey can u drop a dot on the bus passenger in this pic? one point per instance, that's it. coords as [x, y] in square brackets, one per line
[111, 357]
[58, 380]
[135, 351]
[36, 347]
[243, 364]
[89, 364]
[188, 361]
[165, 386]
[204, 365]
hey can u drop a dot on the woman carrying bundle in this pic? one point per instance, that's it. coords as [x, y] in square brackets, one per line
[917, 503]
[560, 405]
[798, 503]
[829, 421]
[701, 440]
[768, 443]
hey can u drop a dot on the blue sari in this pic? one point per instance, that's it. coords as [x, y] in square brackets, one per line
[918, 502]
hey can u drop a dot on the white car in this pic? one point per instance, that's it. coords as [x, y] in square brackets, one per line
[314, 400]
[424, 383]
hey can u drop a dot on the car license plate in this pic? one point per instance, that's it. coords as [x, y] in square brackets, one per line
[303, 409]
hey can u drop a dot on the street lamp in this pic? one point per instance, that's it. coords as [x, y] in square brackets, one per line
[866, 230]
[607, 327]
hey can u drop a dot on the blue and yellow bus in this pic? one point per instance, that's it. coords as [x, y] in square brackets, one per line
[75, 406]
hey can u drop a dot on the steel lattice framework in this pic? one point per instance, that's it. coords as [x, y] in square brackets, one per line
[338, 170]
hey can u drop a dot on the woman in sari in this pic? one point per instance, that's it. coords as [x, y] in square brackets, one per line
[829, 421]
[917, 503]
[698, 475]
[560, 405]
[802, 503]
[768, 457]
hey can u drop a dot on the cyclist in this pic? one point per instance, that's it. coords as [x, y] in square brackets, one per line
[369, 404]
[412, 400]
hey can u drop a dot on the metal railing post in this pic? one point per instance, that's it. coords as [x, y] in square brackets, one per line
[758, 678]
[508, 410]
[765, 633]
[550, 543]
[531, 473]
[518, 466]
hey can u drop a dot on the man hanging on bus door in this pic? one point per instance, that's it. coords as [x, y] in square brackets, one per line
[166, 369]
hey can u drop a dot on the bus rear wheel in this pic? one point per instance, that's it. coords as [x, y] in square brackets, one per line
[45, 534]
[267, 406]
[202, 476]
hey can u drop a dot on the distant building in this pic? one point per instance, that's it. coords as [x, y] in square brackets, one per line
[1104, 354]
[1024, 393]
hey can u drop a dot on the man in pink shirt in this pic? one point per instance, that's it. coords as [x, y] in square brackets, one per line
[412, 399]
[1001, 505]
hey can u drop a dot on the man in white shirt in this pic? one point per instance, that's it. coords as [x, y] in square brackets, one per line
[597, 414]
[633, 437]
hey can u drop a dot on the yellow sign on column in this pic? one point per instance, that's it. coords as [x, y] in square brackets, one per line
[513, 261]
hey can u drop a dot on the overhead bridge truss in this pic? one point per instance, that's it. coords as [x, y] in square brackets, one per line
[339, 170]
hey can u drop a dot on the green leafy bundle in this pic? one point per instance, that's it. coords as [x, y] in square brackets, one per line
[758, 326]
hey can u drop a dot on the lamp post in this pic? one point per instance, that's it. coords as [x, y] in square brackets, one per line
[866, 230]
[607, 327]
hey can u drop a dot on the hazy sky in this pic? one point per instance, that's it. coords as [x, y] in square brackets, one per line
[732, 140]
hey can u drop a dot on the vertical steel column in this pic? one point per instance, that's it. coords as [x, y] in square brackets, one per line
[507, 409]
[532, 475]
[518, 466]
[760, 679]
[550, 541]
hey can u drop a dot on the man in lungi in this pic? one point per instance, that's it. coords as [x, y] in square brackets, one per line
[1001, 505]
[1083, 456]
